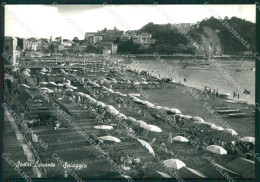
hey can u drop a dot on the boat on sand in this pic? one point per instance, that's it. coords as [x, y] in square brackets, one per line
[237, 115]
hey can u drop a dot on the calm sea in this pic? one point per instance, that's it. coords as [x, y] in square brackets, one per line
[198, 74]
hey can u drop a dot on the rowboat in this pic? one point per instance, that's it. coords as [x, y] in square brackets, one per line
[231, 101]
[237, 115]
[227, 111]
[223, 107]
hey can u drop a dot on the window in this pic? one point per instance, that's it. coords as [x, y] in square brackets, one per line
[7, 48]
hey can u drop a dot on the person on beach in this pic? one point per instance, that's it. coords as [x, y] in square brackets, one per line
[238, 96]
[217, 93]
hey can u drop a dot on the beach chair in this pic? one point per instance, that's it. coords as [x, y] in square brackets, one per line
[186, 172]
[241, 166]
[211, 171]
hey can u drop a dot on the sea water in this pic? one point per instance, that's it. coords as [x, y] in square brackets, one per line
[201, 73]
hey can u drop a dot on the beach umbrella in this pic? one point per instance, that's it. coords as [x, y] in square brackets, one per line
[44, 70]
[147, 146]
[149, 104]
[131, 119]
[158, 107]
[208, 124]
[196, 118]
[140, 123]
[174, 111]
[59, 85]
[187, 117]
[42, 73]
[15, 69]
[24, 85]
[52, 83]
[180, 139]
[199, 122]
[43, 83]
[104, 127]
[122, 116]
[152, 128]
[44, 88]
[68, 90]
[214, 127]
[248, 139]
[231, 131]
[164, 174]
[110, 138]
[174, 163]
[216, 149]
[144, 82]
[136, 83]
[50, 91]
[27, 69]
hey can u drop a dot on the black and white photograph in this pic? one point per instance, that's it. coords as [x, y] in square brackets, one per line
[129, 91]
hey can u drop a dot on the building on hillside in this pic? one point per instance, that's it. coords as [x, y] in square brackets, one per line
[75, 39]
[143, 39]
[11, 53]
[93, 37]
[125, 37]
[111, 35]
[67, 43]
[59, 39]
[108, 47]
[79, 47]
[31, 44]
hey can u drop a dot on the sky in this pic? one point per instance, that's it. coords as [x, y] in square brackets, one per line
[68, 21]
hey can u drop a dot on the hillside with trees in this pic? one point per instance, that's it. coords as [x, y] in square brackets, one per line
[212, 35]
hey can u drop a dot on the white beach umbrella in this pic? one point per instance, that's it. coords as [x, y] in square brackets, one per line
[149, 104]
[164, 174]
[208, 124]
[52, 83]
[187, 117]
[24, 85]
[50, 91]
[110, 138]
[158, 107]
[131, 119]
[44, 88]
[214, 127]
[140, 123]
[174, 111]
[196, 118]
[231, 131]
[44, 70]
[122, 116]
[104, 127]
[180, 139]
[216, 149]
[144, 82]
[59, 85]
[68, 90]
[147, 146]
[152, 128]
[248, 139]
[174, 163]
[15, 69]
[43, 83]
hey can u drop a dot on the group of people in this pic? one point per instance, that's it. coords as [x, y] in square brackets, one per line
[235, 94]
[211, 92]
